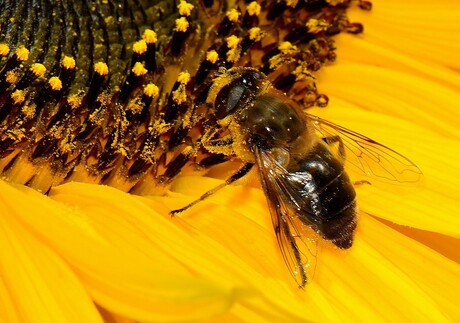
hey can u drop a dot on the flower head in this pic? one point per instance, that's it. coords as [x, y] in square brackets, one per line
[93, 164]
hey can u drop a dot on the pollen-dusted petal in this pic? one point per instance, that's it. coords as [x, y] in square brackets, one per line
[424, 30]
[403, 95]
[431, 204]
[39, 283]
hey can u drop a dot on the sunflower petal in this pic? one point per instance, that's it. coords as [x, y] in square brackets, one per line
[428, 31]
[388, 276]
[123, 273]
[356, 50]
[394, 93]
[39, 283]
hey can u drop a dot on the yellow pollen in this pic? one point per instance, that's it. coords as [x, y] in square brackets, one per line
[68, 62]
[286, 47]
[255, 34]
[182, 24]
[151, 90]
[253, 9]
[4, 49]
[183, 78]
[233, 55]
[180, 95]
[212, 56]
[185, 8]
[18, 96]
[292, 3]
[302, 73]
[74, 101]
[315, 25]
[28, 111]
[38, 69]
[150, 36]
[233, 15]
[140, 47]
[22, 54]
[55, 83]
[232, 41]
[11, 77]
[139, 69]
[101, 68]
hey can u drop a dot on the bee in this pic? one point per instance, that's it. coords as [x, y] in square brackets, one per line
[300, 159]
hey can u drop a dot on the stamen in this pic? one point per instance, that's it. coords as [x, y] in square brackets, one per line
[108, 91]
[185, 8]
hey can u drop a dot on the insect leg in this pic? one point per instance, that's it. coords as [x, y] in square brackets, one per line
[213, 160]
[240, 173]
[221, 142]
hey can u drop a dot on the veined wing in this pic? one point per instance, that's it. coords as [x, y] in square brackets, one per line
[299, 251]
[364, 155]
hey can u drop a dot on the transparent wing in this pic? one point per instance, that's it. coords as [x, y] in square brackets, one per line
[299, 250]
[365, 155]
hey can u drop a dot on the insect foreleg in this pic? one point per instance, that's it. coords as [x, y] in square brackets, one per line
[239, 174]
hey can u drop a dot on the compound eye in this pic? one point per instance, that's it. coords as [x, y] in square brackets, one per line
[237, 94]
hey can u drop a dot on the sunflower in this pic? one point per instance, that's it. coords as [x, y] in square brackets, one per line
[73, 250]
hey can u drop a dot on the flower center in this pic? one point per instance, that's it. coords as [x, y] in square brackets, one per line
[116, 92]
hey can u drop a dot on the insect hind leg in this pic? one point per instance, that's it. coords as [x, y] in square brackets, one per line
[239, 174]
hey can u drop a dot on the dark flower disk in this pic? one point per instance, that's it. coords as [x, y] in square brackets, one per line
[114, 92]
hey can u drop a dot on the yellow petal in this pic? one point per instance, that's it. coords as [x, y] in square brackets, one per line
[357, 50]
[39, 283]
[394, 93]
[386, 276]
[141, 264]
[428, 31]
[122, 268]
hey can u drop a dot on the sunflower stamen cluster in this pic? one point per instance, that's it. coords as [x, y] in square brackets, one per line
[118, 93]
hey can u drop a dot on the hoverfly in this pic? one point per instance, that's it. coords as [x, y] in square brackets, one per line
[300, 159]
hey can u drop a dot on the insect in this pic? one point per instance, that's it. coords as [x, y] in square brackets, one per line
[300, 160]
